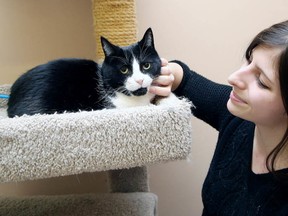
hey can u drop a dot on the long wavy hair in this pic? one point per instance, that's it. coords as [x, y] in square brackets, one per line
[276, 36]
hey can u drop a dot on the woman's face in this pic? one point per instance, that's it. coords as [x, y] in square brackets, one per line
[256, 93]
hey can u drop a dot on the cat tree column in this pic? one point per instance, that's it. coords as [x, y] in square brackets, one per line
[45, 146]
[116, 20]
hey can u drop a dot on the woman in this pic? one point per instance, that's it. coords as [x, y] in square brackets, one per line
[249, 169]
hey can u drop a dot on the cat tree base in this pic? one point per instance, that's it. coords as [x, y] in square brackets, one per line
[121, 141]
[110, 204]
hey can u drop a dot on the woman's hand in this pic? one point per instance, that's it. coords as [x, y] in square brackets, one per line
[162, 85]
[169, 80]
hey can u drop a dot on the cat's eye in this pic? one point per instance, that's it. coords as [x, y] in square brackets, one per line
[124, 70]
[146, 66]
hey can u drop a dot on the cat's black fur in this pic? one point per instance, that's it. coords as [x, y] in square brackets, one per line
[70, 85]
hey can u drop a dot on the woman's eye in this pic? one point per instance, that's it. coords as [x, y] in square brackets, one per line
[124, 70]
[146, 66]
[260, 83]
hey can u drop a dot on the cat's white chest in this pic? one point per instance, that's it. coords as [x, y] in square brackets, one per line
[124, 101]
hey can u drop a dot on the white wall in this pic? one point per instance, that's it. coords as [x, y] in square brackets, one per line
[210, 36]
[35, 31]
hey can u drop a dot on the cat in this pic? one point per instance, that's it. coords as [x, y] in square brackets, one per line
[71, 85]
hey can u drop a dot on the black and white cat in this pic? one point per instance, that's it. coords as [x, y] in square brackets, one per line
[70, 85]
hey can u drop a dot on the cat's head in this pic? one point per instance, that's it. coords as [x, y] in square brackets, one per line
[131, 70]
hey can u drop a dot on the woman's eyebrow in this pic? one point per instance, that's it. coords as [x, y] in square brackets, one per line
[264, 74]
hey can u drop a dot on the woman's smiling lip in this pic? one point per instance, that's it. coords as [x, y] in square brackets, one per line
[234, 97]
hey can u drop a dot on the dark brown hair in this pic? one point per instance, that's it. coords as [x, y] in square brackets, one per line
[276, 36]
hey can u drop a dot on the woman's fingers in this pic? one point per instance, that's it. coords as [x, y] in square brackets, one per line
[160, 90]
[165, 70]
[164, 62]
[164, 80]
[162, 85]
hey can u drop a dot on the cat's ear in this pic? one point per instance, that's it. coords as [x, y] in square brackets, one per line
[108, 48]
[147, 39]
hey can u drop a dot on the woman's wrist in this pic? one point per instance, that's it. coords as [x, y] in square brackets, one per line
[177, 72]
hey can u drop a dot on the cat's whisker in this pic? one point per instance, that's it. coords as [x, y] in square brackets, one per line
[123, 60]
[143, 57]
[126, 56]
[122, 90]
[143, 53]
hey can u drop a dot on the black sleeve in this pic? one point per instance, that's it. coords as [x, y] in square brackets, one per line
[209, 98]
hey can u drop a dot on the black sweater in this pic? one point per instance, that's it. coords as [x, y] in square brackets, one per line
[230, 187]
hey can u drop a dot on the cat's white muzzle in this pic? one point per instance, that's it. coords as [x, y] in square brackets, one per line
[138, 85]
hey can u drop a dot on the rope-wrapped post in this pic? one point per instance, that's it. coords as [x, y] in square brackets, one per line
[116, 21]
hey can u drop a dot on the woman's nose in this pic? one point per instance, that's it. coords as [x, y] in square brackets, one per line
[237, 79]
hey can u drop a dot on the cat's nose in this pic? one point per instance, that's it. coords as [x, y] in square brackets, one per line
[140, 81]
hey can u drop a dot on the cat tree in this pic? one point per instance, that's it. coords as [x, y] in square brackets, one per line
[122, 142]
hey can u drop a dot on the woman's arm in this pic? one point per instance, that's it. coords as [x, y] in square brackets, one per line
[209, 98]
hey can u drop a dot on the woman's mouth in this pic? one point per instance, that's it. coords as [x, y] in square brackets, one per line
[235, 98]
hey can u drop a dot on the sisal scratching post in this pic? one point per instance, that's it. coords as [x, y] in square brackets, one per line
[116, 21]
